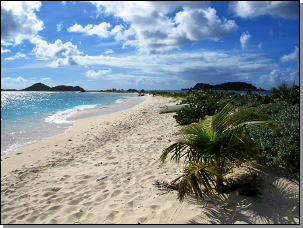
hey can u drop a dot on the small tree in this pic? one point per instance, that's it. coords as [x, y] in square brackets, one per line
[208, 145]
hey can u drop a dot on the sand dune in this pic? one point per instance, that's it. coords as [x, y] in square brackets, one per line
[102, 172]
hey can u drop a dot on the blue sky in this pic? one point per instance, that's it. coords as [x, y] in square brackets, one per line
[149, 45]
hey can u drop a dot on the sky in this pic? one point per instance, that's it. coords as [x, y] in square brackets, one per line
[159, 45]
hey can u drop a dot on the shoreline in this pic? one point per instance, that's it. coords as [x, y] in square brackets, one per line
[107, 109]
[102, 172]
[82, 114]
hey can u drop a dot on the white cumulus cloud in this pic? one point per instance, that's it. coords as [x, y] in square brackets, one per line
[46, 79]
[5, 50]
[98, 74]
[251, 9]
[101, 30]
[108, 51]
[44, 51]
[200, 24]
[19, 21]
[245, 40]
[292, 56]
[59, 26]
[151, 30]
[14, 83]
[19, 55]
[277, 76]
[68, 61]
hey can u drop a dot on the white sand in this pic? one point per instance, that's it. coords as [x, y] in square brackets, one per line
[102, 171]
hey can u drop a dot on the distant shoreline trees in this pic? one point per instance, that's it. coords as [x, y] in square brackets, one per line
[233, 86]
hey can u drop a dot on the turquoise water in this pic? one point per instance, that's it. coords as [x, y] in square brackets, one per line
[28, 117]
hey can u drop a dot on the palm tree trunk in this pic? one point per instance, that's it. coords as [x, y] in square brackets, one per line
[219, 183]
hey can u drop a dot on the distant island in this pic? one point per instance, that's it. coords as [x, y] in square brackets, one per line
[236, 86]
[43, 87]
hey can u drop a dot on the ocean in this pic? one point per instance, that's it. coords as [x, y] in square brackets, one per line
[29, 117]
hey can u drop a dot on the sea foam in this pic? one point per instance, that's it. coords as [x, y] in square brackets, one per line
[119, 101]
[62, 117]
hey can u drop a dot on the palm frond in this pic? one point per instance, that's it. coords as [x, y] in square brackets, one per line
[258, 124]
[206, 123]
[193, 146]
[241, 149]
[224, 120]
[176, 148]
[195, 176]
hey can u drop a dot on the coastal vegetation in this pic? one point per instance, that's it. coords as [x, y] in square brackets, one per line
[220, 128]
[233, 86]
[8, 89]
[113, 90]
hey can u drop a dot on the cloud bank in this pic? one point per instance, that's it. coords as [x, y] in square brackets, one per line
[154, 28]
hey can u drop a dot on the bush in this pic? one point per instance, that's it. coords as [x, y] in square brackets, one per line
[281, 147]
[191, 113]
[201, 103]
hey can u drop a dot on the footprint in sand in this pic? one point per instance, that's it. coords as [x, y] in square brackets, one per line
[69, 210]
[82, 182]
[74, 202]
[87, 204]
[21, 216]
[32, 219]
[74, 217]
[64, 177]
[149, 172]
[47, 194]
[130, 204]
[112, 215]
[116, 193]
[141, 219]
[85, 177]
[113, 206]
[54, 208]
[154, 207]
[53, 221]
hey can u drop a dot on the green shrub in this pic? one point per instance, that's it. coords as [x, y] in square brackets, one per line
[281, 147]
[190, 114]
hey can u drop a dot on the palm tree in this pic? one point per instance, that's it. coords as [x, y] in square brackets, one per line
[207, 146]
[290, 94]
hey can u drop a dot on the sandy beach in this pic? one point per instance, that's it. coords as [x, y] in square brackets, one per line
[103, 170]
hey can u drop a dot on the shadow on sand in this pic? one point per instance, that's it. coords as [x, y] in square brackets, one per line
[277, 204]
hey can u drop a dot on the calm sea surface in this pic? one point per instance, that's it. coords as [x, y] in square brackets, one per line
[29, 117]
